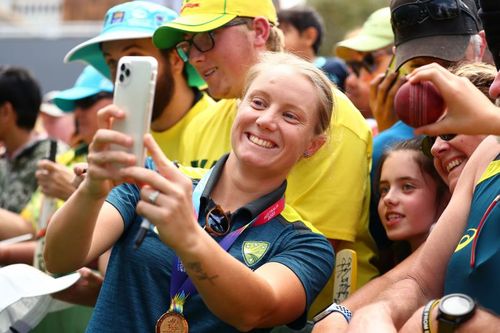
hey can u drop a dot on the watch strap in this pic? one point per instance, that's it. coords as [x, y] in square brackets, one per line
[427, 315]
[345, 312]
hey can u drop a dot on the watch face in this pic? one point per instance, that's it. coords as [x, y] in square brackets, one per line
[456, 305]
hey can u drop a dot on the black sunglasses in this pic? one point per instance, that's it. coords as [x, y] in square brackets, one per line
[417, 12]
[367, 63]
[428, 142]
[217, 222]
[205, 41]
[88, 102]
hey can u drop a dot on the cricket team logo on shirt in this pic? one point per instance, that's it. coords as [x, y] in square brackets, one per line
[254, 251]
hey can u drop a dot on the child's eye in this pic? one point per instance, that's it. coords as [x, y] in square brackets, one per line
[383, 190]
[408, 187]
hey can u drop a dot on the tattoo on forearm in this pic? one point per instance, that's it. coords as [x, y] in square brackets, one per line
[199, 273]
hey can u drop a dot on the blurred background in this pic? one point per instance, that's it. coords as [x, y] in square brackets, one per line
[36, 34]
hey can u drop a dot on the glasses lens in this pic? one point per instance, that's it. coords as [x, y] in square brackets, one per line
[443, 9]
[203, 41]
[217, 221]
[427, 143]
[183, 49]
[355, 67]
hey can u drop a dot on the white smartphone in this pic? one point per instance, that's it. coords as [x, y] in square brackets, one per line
[134, 93]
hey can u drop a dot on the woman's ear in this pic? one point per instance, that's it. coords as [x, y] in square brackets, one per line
[316, 143]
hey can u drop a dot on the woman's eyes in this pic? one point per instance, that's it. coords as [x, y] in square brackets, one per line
[258, 103]
[291, 117]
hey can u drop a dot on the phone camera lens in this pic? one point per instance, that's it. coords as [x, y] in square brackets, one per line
[122, 67]
[127, 72]
[122, 77]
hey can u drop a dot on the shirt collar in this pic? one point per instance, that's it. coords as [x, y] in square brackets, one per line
[252, 209]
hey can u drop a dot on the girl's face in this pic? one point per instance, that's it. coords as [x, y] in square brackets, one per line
[408, 204]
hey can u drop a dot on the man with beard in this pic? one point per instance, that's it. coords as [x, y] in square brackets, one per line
[127, 31]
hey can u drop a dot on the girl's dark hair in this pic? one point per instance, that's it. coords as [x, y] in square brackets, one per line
[22, 91]
[424, 162]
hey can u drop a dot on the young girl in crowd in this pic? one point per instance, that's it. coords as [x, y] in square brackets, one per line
[412, 195]
[244, 260]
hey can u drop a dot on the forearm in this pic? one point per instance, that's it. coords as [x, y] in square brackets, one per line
[17, 253]
[71, 231]
[246, 304]
[13, 224]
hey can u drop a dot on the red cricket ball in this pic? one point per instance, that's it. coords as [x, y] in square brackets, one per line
[418, 104]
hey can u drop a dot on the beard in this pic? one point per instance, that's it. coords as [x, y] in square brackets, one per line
[163, 92]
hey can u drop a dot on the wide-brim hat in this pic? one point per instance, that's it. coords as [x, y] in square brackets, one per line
[207, 15]
[130, 20]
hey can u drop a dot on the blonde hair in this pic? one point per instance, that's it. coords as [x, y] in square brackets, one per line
[479, 74]
[319, 80]
[276, 40]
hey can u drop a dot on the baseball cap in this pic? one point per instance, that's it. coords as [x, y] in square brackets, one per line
[436, 28]
[130, 20]
[375, 34]
[207, 15]
[89, 83]
[48, 107]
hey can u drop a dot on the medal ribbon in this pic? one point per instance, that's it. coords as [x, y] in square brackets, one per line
[181, 285]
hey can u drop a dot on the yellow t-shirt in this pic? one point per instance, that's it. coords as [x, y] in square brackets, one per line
[169, 140]
[331, 189]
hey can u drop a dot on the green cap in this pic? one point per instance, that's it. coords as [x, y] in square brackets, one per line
[375, 34]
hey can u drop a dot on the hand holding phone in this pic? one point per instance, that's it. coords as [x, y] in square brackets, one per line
[134, 94]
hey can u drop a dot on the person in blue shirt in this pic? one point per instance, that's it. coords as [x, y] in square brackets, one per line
[243, 260]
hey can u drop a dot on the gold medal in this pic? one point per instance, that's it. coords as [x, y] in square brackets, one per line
[172, 322]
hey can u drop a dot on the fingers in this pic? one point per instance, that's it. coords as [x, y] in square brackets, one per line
[80, 169]
[106, 115]
[165, 167]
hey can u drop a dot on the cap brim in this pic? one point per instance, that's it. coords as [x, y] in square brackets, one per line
[360, 43]
[90, 51]
[449, 48]
[173, 32]
[66, 99]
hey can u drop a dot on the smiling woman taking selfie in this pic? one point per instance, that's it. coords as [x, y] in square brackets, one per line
[244, 259]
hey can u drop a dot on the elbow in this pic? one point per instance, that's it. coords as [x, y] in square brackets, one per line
[251, 320]
[53, 265]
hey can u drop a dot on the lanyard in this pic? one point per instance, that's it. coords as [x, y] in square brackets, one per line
[181, 285]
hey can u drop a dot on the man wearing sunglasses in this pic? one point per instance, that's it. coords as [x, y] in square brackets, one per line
[222, 39]
[367, 54]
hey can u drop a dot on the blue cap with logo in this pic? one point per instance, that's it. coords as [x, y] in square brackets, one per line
[130, 20]
[89, 83]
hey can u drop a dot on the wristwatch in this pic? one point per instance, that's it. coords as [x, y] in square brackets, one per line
[453, 310]
[334, 308]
